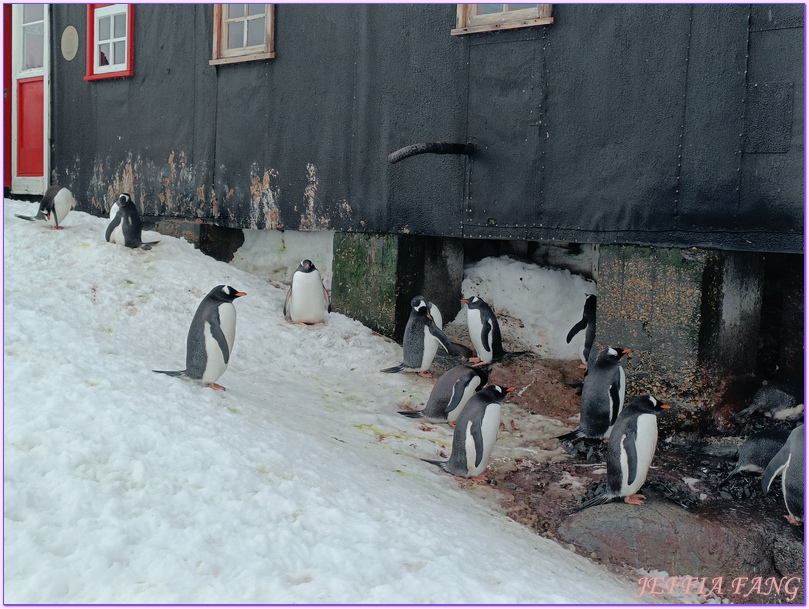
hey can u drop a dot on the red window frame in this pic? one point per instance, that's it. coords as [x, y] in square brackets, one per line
[130, 44]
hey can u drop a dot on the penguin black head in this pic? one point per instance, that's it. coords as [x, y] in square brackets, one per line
[615, 353]
[498, 392]
[124, 199]
[473, 302]
[306, 266]
[421, 306]
[648, 403]
[225, 293]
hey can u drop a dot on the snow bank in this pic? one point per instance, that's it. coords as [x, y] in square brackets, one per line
[299, 484]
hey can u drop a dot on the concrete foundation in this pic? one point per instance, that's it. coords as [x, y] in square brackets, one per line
[690, 317]
[376, 277]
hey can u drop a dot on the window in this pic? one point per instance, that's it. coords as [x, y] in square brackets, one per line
[110, 41]
[33, 32]
[243, 32]
[473, 18]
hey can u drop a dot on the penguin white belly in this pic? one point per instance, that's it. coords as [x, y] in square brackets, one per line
[475, 324]
[113, 211]
[117, 235]
[215, 364]
[307, 303]
[645, 445]
[63, 202]
[622, 389]
[489, 426]
[468, 391]
[429, 351]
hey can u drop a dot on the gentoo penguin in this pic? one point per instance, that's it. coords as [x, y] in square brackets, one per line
[421, 339]
[475, 433]
[757, 451]
[210, 337]
[56, 203]
[450, 393]
[484, 332]
[630, 452]
[789, 463]
[602, 396]
[125, 227]
[588, 324]
[307, 299]
[775, 402]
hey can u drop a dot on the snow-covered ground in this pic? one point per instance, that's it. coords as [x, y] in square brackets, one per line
[299, 484]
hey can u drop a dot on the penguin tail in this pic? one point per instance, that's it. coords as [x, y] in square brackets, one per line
[412, 414]
[728, 477]
[29, 218]
[170, 372]
[597, 500]
[398, 368]
[511, 354]
[149, 244]
[441, 464]
[570, 437]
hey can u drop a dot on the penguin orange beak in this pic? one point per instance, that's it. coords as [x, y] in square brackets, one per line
[510, 389]
[240, 294]
[429, 316]
[626, 351]
[466, 300]
[665, 406]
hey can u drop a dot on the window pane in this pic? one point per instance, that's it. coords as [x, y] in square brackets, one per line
[103, 54]
[120, 25]
[236, 35]
[104, 28]
[119, 52]
[489, 9]
[519, 7]
[255, 32]
[33, 12]
[33, 42]
[235, 10]
[256, 9]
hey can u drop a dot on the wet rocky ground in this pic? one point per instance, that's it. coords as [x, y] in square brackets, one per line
[687, 526]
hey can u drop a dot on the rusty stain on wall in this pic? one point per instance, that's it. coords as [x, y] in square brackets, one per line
[264, 192]
[308, 219]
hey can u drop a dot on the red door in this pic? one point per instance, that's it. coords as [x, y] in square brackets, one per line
[30, 127]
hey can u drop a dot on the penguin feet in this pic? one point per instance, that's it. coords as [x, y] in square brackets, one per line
[216, 386]
[56, 227]
[480, 479]
[792, 520]
[583, 366]
[426, 374]
[475, 360]
[635, 499]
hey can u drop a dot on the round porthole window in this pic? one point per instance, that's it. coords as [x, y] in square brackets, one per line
[70, 42]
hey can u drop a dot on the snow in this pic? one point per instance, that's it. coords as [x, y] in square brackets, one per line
[535, 306]
[299, 484]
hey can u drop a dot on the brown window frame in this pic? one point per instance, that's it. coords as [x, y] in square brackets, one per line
[467, 20]
[224, 56]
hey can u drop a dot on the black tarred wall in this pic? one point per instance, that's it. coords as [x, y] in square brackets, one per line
[668, 125]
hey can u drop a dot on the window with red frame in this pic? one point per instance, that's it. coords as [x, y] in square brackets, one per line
[110, 41]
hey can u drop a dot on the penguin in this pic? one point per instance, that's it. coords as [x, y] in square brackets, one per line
[56, 203]
[475, 433]
[789, 463]
[602, 396]
[451, 393]
[757, 451]
[307, 299]
[630, 453]
[484, 332]
[125, 227]
[210, 337]
[421, 338]
[776, 402]
[588, 324]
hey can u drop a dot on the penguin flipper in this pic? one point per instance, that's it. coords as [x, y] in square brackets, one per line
[287, 315]
[398, 368]
[485, 334]
[774, 467]
[327, 299]
[570, 437]
[219, 337]
[581, 325]
[171, 372]
[597, 500]
[411, 414]
[615, 402]
[112, 225]
[477, 437]
[628, 444]
[439, 335]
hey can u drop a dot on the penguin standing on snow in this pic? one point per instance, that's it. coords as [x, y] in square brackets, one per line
[450, 394]
[630, 452]
[757, 451]
[56, 203]
[421, 339]
[588, 324]
[602, 396]
[484, 332]
[210, 337]
[475, 433]
[307, 299]
[789, 463]
[125, 227]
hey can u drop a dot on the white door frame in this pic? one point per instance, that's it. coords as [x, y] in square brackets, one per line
[30, 185]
